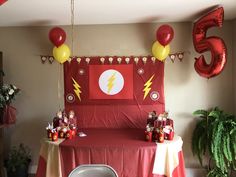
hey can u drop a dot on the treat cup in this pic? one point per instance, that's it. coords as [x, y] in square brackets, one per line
[73, 132]
[69, 134]
[165, 136]
[61, 134]
[148, 136]
[167, 130]
[170, 122]
[155, 135]
[54, 136]
[161, 137]
[49, 133]
[157, 123]
[170, 136]
[163, 122]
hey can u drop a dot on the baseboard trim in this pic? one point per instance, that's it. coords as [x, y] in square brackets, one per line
[195, 172]
[190, 172]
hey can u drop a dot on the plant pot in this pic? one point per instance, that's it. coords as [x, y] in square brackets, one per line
[1, 115]
[9, 115]
[20, 172]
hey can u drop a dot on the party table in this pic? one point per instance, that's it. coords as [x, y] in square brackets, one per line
[123, 149]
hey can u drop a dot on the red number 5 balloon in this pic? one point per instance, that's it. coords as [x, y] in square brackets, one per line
[213, 44]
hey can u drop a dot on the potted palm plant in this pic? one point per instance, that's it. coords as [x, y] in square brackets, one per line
[214, 138]
[17, 162]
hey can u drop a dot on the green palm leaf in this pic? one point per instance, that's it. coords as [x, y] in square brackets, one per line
[200, 113]
[215, 114]
[215, 134]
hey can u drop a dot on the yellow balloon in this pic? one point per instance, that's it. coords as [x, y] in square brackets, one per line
[159, 51]
[61, 53]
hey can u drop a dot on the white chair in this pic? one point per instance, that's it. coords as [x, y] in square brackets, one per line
[93, 170]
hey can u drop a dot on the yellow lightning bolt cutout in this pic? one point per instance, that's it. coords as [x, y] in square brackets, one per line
[111, 82]
[147, 87]
[77, 89]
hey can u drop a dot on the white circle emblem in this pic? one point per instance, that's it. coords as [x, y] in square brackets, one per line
[111, 82]
[70, 98]
[155, 96]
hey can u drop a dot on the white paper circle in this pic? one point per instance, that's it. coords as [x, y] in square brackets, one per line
[111, 82]
[70, 98]
[154, 95]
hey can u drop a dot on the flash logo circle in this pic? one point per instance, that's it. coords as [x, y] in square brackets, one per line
[111, 82]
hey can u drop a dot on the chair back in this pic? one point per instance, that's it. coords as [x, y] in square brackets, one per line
[93, 170]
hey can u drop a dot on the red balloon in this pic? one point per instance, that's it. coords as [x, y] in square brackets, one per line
[164, 34]
[57, 36]
[213, 44]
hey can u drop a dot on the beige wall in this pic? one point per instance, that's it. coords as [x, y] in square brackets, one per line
[185, 90]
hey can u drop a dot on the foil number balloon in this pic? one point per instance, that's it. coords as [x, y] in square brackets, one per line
[213, 44]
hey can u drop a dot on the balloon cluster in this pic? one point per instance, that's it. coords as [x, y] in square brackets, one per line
[161, 47]
[61, 52]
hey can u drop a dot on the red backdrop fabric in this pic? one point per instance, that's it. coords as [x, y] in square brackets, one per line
[117, 94]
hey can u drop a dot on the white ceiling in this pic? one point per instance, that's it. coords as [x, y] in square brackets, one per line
[57, 12]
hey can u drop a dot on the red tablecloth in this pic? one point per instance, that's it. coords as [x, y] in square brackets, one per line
[123, 149]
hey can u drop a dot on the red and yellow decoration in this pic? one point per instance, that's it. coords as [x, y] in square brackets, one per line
[115, 80]
[161, 47]
[63, 126]
[147, 87]
[160, 127]
[107, 89]
[61, 52]
[77, 89]
[160, 51]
